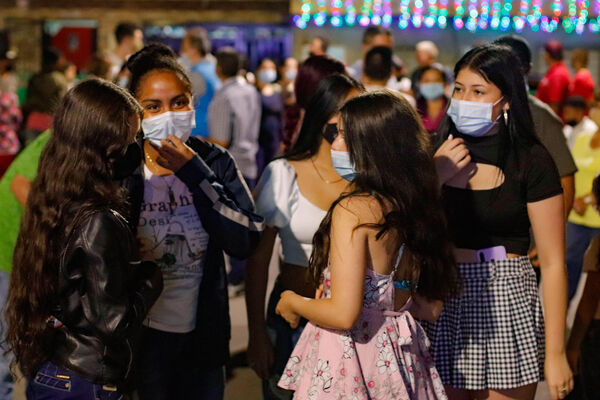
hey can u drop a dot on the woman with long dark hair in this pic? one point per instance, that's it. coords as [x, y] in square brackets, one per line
[188, 206]
[498, 180]
[77, 293]
[293, 196]
[389, 226]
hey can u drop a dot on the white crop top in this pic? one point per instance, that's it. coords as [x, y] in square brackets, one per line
[280, 203]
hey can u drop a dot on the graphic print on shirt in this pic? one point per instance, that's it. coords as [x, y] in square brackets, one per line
[171, 235]
[179, 240]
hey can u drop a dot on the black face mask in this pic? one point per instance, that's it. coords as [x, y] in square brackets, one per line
[125, 165]
[571, 122]
[330, 132]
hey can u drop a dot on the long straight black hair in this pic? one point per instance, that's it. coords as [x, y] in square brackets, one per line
[327, 100]
[389, 147]
[500, 66]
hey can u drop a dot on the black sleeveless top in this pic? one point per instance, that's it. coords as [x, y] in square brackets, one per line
[479, 219]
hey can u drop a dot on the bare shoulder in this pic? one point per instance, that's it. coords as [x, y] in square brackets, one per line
[361, 209]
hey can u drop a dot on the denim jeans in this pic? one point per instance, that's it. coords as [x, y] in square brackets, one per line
[52, 382]
[587, 382]
[284, 339]
[578, 240]
[238, 265]
[6, 382]
[167, 369]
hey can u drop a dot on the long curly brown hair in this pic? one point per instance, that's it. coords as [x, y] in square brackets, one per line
[91, 129]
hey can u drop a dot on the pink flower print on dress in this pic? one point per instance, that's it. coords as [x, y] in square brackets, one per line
[321, 372]
[348, 345]
[341, 365]
[383, 342]
[404, 341]
[290, 373]
[386, 363]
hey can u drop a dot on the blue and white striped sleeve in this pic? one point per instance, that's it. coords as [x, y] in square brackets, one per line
[224, 204]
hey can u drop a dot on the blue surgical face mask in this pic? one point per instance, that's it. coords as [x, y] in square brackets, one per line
[432, 91]
[342, 164]
[267, 75]
[471, 117]
[290, 74]
[123, 82]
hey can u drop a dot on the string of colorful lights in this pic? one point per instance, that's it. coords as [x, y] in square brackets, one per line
[473, 15]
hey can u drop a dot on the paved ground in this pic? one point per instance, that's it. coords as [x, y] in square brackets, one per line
[245, 385]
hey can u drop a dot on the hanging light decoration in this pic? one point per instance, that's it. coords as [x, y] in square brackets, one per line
[387, 13]
[572, 16]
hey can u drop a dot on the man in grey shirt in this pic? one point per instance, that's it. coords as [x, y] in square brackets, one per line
[234, 114]
[234, 123]
[549, 130]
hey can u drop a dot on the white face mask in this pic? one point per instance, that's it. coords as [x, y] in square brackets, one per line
[176, 123]
[471, 117]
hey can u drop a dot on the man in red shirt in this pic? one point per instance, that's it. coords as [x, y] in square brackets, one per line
[583, 84]
[554, 87]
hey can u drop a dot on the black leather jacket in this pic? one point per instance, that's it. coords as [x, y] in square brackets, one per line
[103, 296]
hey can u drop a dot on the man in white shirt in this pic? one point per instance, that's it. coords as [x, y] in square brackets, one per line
[378, 70]
[576, 122]
[129, 39]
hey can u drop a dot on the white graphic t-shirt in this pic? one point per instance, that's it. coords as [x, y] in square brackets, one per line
[171, 235]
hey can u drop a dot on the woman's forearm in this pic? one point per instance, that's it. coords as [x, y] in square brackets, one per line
[257, 272]
[325, 312]
[554, 285]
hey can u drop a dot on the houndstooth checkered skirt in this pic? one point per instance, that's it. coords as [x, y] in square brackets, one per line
[493, 336]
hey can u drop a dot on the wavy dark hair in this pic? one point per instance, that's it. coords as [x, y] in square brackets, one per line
[328, 99]
[496, 64]
[154, 57]
[91, 128]
[389, 147]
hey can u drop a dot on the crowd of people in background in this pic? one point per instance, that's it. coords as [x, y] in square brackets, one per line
[416, 213]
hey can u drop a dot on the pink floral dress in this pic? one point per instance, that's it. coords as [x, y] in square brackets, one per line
[384, 356]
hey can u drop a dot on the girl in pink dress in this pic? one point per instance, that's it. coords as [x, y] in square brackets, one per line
[387, 231]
